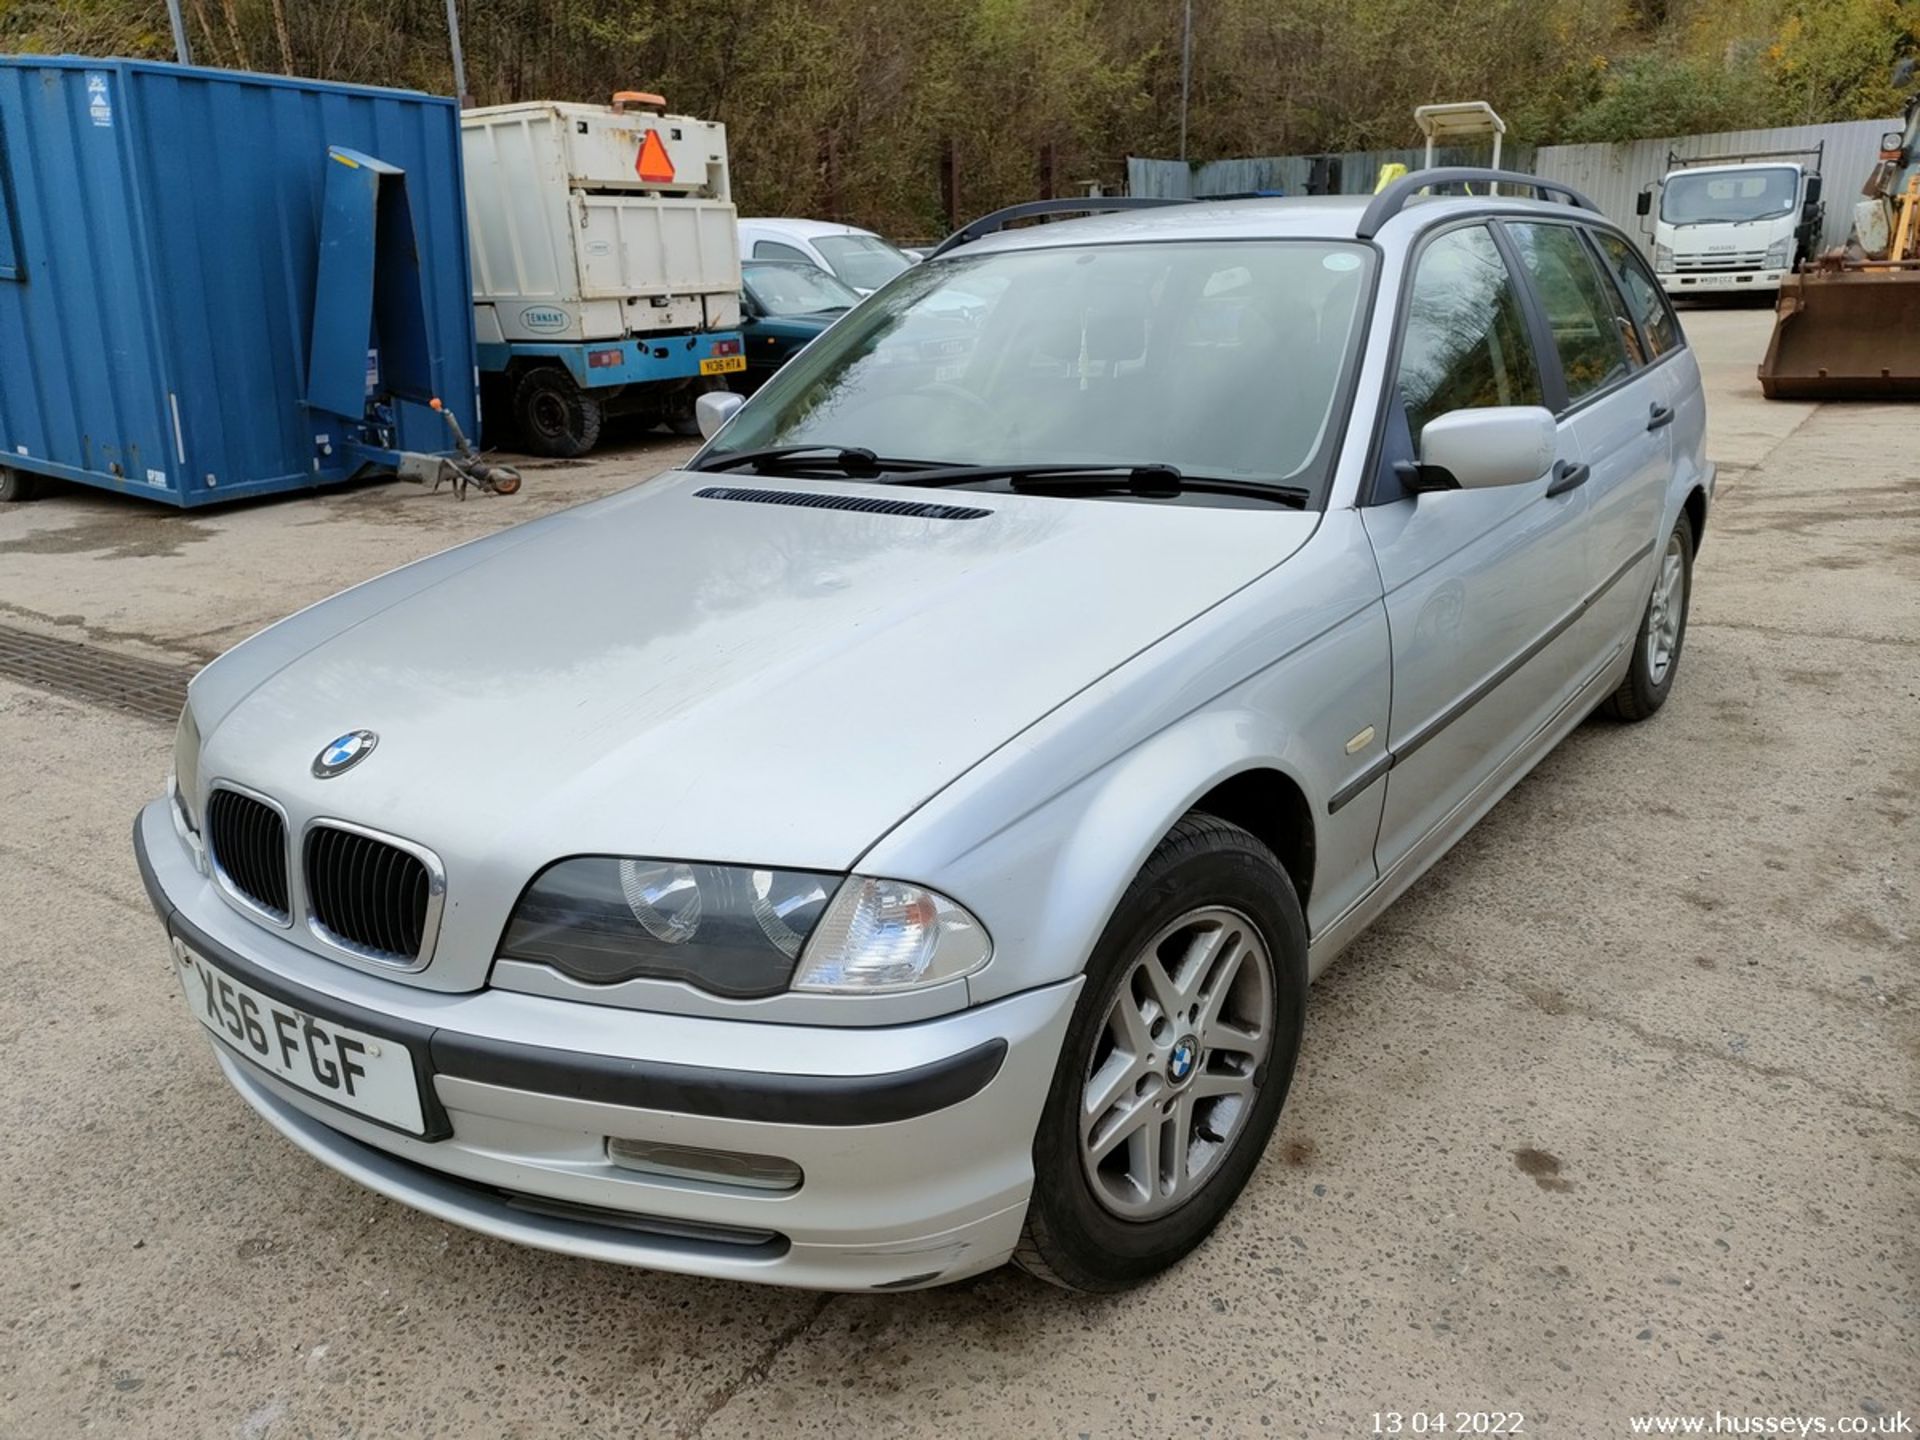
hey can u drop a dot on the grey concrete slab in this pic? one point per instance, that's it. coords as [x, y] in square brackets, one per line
[173, 584]
[1743, 425]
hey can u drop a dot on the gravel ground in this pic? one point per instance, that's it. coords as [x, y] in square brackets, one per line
[1617, 1112]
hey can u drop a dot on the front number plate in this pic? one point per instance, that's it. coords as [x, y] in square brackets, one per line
[723, 364]
[363, 1073]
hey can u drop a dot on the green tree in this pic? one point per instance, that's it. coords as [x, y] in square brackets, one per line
[1833, 59]
[1671, 95]
[843, 108]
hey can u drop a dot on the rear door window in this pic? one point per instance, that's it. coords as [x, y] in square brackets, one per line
[1642, 293]
[1589, 331]
[774, 250]
[1466, 337]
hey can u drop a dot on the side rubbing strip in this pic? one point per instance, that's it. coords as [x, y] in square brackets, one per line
[1485, 688]
[1354, 787]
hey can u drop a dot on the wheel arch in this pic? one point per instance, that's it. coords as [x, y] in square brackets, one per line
[1047, 885]
[1694, 507]
[520, 366]
[1260, 793]
[1268, 804]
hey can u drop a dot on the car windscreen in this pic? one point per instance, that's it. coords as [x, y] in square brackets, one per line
[1729, 196]
[1222, 358]
[865, 262]
[795, 289]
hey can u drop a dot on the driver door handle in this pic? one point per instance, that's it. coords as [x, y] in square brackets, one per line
[1567, 475]
[1659, 415]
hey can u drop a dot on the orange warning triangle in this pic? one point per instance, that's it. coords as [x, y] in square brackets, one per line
[653, 164]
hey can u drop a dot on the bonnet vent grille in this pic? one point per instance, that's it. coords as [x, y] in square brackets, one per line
[868, 504]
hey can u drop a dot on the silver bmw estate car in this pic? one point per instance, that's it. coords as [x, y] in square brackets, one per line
[900, 840]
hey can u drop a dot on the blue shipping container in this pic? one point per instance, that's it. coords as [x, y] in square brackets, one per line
[159, 244]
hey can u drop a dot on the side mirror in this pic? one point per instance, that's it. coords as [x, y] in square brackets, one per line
[1813, 192]
[1643, 203]
[713, 409]
[1495, 445]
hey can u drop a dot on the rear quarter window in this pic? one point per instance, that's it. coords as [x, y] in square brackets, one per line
[1642, 294]
[774, 250]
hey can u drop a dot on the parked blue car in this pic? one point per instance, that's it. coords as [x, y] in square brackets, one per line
[783, 305]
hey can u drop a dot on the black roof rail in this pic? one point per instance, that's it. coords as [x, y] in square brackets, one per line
[1392, 200]
[1032, 209]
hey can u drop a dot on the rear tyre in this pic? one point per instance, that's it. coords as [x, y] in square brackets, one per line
[1663, 630]
[556, 417]
[1175, 1065]
[17, 485]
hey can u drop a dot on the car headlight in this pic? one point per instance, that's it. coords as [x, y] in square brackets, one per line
[738, 931]
[734, 931]
[1777, 253]
[882, 935]
[1662, 257]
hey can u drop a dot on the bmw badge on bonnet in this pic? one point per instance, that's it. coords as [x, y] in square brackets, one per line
[344, 753]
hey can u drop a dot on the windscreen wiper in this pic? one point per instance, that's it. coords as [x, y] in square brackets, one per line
[854, 460]
[1152, 482]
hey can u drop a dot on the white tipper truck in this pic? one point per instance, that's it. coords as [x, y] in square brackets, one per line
[1734, 222]
[606, 268]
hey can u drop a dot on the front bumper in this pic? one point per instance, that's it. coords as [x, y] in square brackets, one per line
[1716, 282]
[914, 1140]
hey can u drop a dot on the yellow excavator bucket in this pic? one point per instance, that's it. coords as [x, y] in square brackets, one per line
[1846, 331]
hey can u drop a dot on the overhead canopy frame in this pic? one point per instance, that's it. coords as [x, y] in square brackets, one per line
[1460, 120]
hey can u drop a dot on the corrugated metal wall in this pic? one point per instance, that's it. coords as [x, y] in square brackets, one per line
[1613, 175]
[1293, 174]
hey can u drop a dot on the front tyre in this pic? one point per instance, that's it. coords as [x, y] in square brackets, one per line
[1175, 1065]
[1663, 629]
[17, 486]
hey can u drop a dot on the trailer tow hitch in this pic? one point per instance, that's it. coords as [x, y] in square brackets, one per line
[467, 468]
[462, 470]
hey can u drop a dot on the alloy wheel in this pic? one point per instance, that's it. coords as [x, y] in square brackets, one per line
[1177, 1063]
[1666, 610]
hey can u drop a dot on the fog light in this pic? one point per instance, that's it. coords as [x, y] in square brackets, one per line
[690, 1162]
